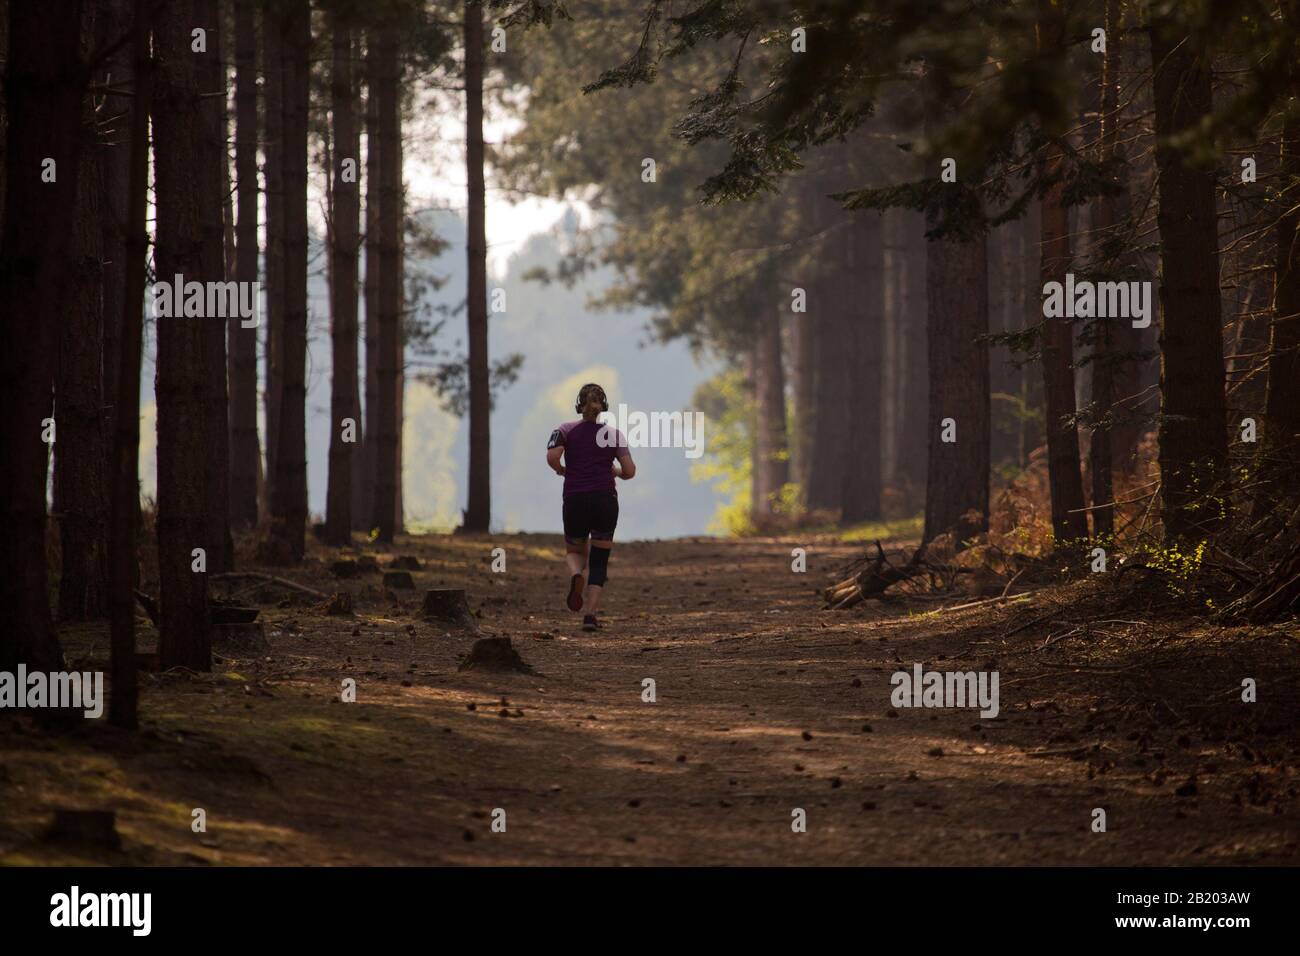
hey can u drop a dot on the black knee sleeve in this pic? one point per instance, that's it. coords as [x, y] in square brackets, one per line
[597, 563]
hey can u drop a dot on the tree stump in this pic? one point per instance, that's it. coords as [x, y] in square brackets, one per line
[85, 828]
[495, 654]
[224, 612]
[447, 606]
[247, 636]
[345, 568]
[405, 562]
[398, 581]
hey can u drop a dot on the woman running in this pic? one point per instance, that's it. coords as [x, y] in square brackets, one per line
[593, 455]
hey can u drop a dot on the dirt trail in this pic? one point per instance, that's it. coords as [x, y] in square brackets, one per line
[764, 704]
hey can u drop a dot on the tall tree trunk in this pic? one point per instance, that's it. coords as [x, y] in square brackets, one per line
[957, 473]
[1021, 275]
[801, 337]
[4, 122]
[916, 421]
[80, 502]
[188, 216]
[389, 293]
[1065, 480]
[1193, 417]
[345, 402]
[1032, 425]
[273, 145]
[1004, 377]
[244, 447]
[215, 172]
[830, 394]
[891, 371]
[399, 522]
[1106, 214]
[125, 496]
[862, 469]
[370, 292]
[957, 304]
[770, 459]
[829, 302]
[112, 20]
[44, 83]
[478, 512]
[289, 480]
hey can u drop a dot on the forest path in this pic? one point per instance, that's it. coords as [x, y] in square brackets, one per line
[764, 705]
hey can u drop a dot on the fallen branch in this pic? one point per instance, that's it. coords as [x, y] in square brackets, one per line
[1273, 597]
[874, 579]
[270, 579]
[1022, 598]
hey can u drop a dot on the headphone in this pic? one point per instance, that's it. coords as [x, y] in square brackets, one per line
[582, 398]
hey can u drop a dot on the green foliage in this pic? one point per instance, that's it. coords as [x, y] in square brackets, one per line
[727, 402]
[1179, 564]
[901, 529]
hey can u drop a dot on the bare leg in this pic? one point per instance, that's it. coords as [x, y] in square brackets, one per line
[576, 557]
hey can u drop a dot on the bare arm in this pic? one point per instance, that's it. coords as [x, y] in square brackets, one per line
[626, 467]
[553, 459]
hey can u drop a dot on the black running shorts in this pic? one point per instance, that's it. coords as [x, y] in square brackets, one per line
[592, 513]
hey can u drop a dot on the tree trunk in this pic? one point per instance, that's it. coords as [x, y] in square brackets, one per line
[802, 338]
[830, 394]
[112, 20]
[244, 447]
[80, 502]
[1004, 378]
[478, 512]
[862, 469]
[1193, 417]
[344, 399]
[44, 83]
[1065, 480]
[1106, 213]
[916, 421]
[125, 496]
[828, 304]
[957, 473]
[891, 371]
[770, 460]
[215, 175]
[389, 293]
[399, 522]
[273, 145]
[289, 479]
[957, 304]
[187, 214]
[1032, 431]
[370, 291]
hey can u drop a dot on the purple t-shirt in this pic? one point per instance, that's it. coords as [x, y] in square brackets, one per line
[588, 462]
